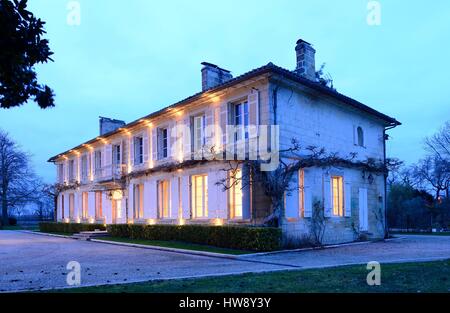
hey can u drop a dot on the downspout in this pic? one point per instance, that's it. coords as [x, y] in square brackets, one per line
[385, 138]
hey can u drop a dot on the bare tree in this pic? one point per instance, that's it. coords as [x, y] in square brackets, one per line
[18, 183]
[434, 173]
[439, 143]
[46, 202]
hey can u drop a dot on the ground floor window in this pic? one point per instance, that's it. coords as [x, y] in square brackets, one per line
[235, 194]
[199, 196]
[84, 205]
[301, 192]
[62, 206]
[138, 197]
[98, 205]
[163, 199]
[337, 195]
[71, 205]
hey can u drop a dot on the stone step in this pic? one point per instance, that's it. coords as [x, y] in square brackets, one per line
[87, 235]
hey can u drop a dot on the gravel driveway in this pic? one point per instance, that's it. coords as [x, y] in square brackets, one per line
[33, 262]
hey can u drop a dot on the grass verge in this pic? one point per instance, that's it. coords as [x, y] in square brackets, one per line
[399, 278]
[176, 244]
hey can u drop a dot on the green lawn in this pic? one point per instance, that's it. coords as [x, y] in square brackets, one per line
[54, 233]
[419, 233]
[177, 245]
[400, 277]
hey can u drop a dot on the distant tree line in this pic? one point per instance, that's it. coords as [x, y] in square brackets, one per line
[418, 194]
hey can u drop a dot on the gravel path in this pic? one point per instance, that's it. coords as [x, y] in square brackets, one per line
[33, 262]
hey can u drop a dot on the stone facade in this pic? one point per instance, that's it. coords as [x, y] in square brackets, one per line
[143, 171]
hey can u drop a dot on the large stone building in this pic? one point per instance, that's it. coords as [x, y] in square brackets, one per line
[159, 169]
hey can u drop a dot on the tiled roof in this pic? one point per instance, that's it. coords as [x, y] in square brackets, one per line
[269, 68]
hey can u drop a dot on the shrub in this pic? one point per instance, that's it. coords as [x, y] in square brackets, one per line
[232, 237]
[12, 221]
[68, 228]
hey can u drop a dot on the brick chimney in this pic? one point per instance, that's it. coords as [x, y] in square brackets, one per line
[212, 75]
[108, 125]
[306, 60]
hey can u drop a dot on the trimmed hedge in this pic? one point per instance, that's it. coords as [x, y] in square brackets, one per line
[68, 228]
[232, 237]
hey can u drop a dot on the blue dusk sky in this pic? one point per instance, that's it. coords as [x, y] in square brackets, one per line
[129, 58]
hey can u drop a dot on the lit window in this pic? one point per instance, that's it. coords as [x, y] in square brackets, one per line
[338, 195]
[138, 210]
[163, 199]
[84, 203]
[360, 136]
[200, 196]
[138, 150]
[235, 194]
[98, 205]
[71, 205]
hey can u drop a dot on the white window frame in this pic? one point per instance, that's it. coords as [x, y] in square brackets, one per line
[163, 142]
[241, 119]
[138, 145]
[199, 136]
[203, 197]
[235, 194]
[337, 201]
[163, 192]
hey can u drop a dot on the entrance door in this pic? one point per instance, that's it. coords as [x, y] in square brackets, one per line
[363, 210]
[116, 210]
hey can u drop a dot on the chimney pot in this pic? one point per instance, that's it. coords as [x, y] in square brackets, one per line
[306, 63]
[212, 75]
[108, 125]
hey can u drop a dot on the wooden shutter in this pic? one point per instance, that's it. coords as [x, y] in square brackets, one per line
[209, 128]
[253, 111]
[131, 147]
[145, 146]
[154, 144]
[224, 121]
[347, 199]
[187, 138]
[327, 196]
[173, 198]
[307, 193]
[185, 197]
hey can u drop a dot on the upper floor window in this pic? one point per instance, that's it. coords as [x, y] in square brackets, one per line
[360, 134]
[61, 173]
[163, 143]
[138, 150]
[337, 190]
[199, 139]
[241, 120]
[84, 167]
[98, 161]
[72, 170]
[116, 155]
